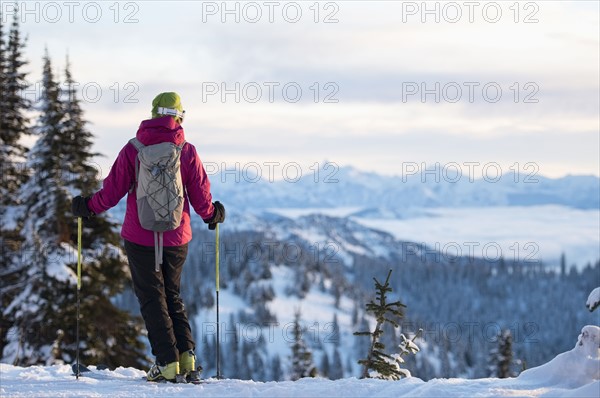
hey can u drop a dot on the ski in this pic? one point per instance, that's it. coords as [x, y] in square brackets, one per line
[179, 379]
[191, 378]
[84, 371]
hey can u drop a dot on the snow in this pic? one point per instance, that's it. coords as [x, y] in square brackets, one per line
[575, 373]
[593, 299]
[57, 381]
[11, 217]
[571, 369]
[316, 306]
[300, 212]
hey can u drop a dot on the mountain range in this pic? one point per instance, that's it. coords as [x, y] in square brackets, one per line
[349, 187]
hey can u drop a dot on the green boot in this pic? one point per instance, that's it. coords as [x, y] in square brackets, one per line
[167, 372]
[187, 362]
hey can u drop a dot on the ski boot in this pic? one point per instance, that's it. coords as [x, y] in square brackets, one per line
[168, 372]
[187, 367]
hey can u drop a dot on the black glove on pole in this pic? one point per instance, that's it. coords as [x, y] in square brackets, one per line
[217, 217]
[79, 207]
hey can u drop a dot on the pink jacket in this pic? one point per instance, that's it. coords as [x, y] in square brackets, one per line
[122, 177]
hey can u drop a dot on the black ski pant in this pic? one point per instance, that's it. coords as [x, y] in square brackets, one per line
[161, 305]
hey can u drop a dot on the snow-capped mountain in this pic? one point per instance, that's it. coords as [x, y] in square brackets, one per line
[349, 187]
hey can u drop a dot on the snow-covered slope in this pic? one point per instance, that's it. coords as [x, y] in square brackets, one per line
[575, 373]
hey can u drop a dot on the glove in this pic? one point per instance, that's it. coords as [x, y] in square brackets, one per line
[79, 207]
[217, 217]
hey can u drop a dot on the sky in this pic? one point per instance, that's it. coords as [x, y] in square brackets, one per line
[369, 84]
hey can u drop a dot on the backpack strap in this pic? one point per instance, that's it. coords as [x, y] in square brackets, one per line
[181, 149]
[138, 146]
[158, 250]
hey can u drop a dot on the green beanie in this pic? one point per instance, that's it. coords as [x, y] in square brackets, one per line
[168, 104]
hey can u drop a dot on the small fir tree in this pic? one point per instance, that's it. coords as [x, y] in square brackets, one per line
[379, 364]
[302, 362]
[500, 360]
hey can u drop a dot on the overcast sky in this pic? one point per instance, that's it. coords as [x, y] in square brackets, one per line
[339, 81]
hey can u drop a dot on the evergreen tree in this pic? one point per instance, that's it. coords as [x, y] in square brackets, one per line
[355, 312]
[276, 372]
[381, 364]
[78, 170]
[257, 366]
[324, 369]
[44, 311]
[336, 370]
[2, 70]
[232, 348]
[13, 108]
[4, 256]
[501, 362]
[335, 336]
[13, 125]
[244, 372]
[302, 363]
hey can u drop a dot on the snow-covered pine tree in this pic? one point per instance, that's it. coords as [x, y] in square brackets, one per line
[78, 167]
[378, 363]
[106, 263]
[500, 362]
[302, 362]
[13, 125]
[44, 311]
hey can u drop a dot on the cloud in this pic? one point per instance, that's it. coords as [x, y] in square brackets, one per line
[369, 58]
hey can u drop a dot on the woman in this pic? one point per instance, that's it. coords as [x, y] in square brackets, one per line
[157, 285]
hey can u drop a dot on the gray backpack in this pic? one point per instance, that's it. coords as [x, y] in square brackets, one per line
[159, 190]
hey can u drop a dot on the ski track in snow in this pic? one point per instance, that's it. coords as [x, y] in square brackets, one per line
[58, 381]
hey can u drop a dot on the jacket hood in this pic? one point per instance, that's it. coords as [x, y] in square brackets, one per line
[161, 129]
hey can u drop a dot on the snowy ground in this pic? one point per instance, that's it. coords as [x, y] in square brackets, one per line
[57, 381]
[574, 373]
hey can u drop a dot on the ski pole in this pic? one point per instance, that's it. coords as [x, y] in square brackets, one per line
[217, 287]
[78, 289]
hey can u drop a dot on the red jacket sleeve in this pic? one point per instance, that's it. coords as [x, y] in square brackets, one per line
[196, 182]
[116, 184]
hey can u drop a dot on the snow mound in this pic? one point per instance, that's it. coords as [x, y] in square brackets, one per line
[571, 369]
[593, 300]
